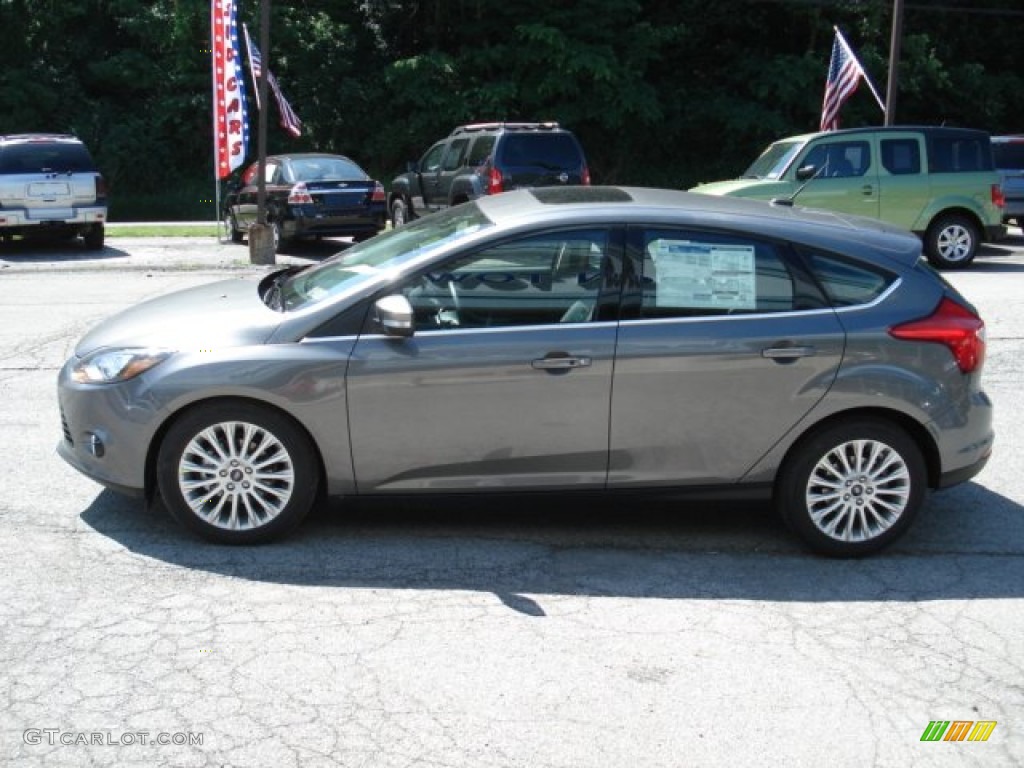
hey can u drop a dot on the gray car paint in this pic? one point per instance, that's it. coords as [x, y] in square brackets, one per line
[461, 411]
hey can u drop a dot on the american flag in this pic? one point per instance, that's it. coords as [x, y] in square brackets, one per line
[289, 120]
[844, 73]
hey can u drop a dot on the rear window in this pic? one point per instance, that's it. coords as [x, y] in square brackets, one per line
[45, 158]
[1008, 154]
[552, 151]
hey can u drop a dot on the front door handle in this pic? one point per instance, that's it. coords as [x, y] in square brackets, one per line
[868, 190]
[788, 353]
[560, 363]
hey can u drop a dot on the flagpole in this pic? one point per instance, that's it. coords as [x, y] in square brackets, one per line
[864, 72]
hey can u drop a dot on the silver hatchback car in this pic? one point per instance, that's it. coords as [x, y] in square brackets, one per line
[551, 340]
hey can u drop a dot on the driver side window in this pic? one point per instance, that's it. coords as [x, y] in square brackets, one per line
[551, 278]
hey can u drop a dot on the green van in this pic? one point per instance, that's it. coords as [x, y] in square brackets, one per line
[937, 182]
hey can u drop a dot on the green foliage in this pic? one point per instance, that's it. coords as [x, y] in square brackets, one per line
[661, 92]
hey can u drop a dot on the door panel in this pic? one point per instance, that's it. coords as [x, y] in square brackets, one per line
[728, 347]
[507, 380]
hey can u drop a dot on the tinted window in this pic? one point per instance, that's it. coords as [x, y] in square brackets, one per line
[546, 150]
[317, 168]
[539, 280]
[45, 158]
[901, 156]
[847, 283]
[839, 159]
[481, 150]
[688, 274]
[1008, 154]
[959, 154]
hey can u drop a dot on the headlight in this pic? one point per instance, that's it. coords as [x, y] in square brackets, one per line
[106, 366]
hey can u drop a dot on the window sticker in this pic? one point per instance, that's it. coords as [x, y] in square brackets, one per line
[704, 275]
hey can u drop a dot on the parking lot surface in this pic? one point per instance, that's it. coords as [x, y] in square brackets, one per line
[501, 634]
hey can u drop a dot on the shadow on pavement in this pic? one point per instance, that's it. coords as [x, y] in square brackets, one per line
[41, 250]
[960, 548]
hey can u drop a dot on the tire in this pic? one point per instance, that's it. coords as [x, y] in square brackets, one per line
[237, 473]
[232, 227]
[852, 488]
[951, 241]
[399, 213]
[281, 242]
[94, 237]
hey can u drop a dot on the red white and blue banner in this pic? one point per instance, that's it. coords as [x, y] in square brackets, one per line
[230, 116]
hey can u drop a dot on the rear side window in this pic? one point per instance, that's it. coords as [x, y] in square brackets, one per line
[481, 150]
[848, 283]
[45, 158]
[550, 151]
[696, 274]
[1008, 154]
[901, 157]
[959, 154]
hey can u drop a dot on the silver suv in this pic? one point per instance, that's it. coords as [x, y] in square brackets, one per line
[49, 186]
[1008, 157]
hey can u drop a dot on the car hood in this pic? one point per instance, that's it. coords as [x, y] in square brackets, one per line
[225, 313]
[763, 189]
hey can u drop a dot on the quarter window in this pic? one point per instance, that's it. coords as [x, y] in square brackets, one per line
[687, 274]
[551, 278]
[847, 283]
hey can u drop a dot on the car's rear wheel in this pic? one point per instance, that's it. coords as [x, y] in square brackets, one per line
[951, 241]
[852, 488]
[237, 473]
[399, 213]
[94, 237]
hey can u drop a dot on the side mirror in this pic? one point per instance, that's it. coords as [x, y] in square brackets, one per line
[412, 167]
[806, 172]
[395, 315]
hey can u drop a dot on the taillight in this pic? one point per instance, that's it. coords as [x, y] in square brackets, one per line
[378, 193]
[495, 183]
[585, 176]
[998, 198]
[299, 195]
[953, 325]
[101, 188]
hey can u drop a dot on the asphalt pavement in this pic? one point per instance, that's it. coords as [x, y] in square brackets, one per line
[548, 635]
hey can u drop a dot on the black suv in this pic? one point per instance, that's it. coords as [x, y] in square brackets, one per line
[49, 186]
[485, 159]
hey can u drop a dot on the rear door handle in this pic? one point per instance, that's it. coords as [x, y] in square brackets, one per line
[788, 353]
[560, 363]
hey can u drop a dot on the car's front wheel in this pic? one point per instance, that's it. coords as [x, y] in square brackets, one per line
[237, 473]
[852, 488]
[232, 227]
[951, 241]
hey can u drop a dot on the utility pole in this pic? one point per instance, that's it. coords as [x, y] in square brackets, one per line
[261, 234]
[894, 62]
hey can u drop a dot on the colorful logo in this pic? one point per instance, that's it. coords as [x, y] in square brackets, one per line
[958, 730]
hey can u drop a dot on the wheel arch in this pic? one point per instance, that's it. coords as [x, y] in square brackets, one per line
[914, 429]
[153, 452]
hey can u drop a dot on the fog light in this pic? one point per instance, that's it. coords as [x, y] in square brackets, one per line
[95, 445]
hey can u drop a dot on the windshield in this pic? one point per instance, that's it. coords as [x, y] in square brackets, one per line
[368, 259]
[773, 161]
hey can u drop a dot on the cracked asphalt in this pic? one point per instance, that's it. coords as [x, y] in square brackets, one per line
[468, 635]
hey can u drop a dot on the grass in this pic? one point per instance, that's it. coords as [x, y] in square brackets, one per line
[161, 230]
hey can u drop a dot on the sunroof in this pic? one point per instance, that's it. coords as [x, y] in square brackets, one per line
[564, 195]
